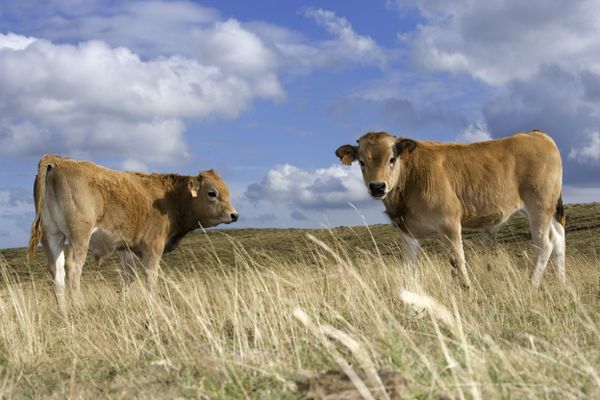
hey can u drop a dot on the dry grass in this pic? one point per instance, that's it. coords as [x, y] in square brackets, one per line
[233, 322]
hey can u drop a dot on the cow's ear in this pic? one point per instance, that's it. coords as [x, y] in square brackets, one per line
[347, 153]
[403, 147]
[194, 185]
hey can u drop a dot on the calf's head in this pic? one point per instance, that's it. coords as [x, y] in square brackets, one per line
[381, 157]
[210, 200]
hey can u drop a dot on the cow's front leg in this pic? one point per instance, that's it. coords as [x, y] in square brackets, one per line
[453, 242]
[151, 260]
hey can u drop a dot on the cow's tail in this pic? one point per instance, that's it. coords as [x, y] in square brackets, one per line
[559, 215]
[39, 191]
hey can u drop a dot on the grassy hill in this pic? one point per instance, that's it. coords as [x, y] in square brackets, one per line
[291, 313]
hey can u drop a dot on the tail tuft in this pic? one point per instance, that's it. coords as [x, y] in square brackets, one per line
[559, 215]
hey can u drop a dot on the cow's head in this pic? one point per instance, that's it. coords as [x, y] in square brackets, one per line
[381, 157]
[210, 200]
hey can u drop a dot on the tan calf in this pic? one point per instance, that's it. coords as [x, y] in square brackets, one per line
[440, 188]
[103, 210]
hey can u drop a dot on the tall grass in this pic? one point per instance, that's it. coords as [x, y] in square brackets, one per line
[264, 326]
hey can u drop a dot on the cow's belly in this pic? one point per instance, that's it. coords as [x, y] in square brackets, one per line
[102, 242]
[482, 222]
[489, 220]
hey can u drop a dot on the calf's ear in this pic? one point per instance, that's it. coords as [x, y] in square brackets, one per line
[194, 185]
[403, 147]
[347, 153]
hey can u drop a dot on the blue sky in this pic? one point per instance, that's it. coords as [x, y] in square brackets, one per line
[265, 91]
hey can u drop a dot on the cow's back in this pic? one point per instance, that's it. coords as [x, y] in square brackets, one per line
[486, 182]
[92, 195]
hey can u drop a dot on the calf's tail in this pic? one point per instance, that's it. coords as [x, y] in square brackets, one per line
[559, 215]
[39, 191]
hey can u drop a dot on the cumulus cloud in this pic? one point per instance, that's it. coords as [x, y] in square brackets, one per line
[321, 189]
[93, 98]
[159, 28]
[500, 40]
[345, 48]
[589, 152]
[347, 44]
[166, 28]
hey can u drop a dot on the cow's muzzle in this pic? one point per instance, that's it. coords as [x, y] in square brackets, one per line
[378, 189]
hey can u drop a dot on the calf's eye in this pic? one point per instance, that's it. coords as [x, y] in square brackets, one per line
[392, 160]
[212, 194]
[362, 164]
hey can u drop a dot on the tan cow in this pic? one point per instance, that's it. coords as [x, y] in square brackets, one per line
[102, 210]
[439, 188]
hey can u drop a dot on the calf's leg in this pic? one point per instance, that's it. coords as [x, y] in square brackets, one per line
[557, 257]
[79, 236]
[54, 244]
[453, 242]
[127, 269]
[540, 224]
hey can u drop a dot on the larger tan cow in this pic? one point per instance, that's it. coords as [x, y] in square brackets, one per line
[439, 188]
[104, 210]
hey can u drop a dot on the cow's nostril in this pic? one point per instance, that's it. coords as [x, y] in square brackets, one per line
[377, 187]
[235, 216]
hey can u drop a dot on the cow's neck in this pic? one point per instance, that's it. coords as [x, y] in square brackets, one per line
[178, 206]
[396, 202]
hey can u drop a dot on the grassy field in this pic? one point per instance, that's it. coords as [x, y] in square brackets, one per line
[330, 313]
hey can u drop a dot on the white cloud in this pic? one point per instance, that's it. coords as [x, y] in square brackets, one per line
[475, 132]
[500, 40]
[297, 55]
[321, 189]
[159, 28]
[590, 151]
[92, 98]
[11, 41]
[166, 28]
[348, 44]
[291, 196]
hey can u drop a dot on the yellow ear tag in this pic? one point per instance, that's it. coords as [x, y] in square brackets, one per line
[347, 159]
[194, 192]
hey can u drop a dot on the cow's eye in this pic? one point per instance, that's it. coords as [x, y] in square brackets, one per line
[392, 160]
[362, 164]
[212, 194]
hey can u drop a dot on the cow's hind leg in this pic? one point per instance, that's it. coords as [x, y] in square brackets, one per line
[540, 224]
[557, 257]
[127, 269]
[489, 242]
[54, 244]
[80, 241]
[453, 241]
